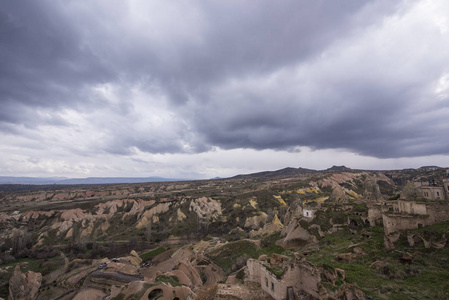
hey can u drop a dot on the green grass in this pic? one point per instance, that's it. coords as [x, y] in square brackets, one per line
[429, 278]
[172, 280]
[234, 254]
[278, 271]
[27, 264]
[43, 266]
[151, 254]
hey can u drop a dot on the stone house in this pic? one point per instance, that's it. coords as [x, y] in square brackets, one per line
[414, 214]
[376, 210]
[297, 277]
[308, 212]
[433, 192]
[435, 189]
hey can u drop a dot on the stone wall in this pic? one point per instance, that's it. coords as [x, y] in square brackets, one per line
[375, 212]
[394, 222]
[268, 282]
[254, 270]
[300, 275]
[438, 211]
[436, 189]
[433, 192]
[413, 215]
[412, 207]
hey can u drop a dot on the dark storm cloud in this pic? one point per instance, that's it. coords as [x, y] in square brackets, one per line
[242, 39]
[186, 77]
[43, 62]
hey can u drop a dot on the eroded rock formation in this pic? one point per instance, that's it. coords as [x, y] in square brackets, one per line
[24, 286]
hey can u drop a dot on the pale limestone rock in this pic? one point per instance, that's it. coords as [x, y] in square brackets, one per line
[148, 214]
[256, 222]
[134, 258]
[181, 215]
[346, 257]
[338, 195]
[296, 236]
[253, 202]
[279, 198]
[206, 208]
[350, 292]
[269, 228]
[24, 286]
[338, 178]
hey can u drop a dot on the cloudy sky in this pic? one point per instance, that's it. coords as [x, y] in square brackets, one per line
[198, 89]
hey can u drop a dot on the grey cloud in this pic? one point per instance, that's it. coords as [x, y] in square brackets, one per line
[217, 65]
[43, 63]
[368, 118]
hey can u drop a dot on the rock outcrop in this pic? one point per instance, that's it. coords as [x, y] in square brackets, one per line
[256, 222]
[24, 286]
[295, 210]
[338, 195]
[206, 208]
[337, 179]
[295, 236]
[134, 258]
[351, 292]
[372, 190]
[268, 228]
[148, 214]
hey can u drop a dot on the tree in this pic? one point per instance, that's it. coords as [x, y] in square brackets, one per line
[411, 192]
[19, 241]
[148, 231]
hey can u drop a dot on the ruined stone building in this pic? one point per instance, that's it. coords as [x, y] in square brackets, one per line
[414, 214]
[435, 189]
[297, 277]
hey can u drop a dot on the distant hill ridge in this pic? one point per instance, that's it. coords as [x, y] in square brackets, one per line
[289, 171]
[88, 180]
[339, 169]
[281, 172]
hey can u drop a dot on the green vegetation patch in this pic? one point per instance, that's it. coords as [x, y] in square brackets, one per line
[151, 254]
[172, 280]
[278, 271]
[233, 256]
[426, 277]
[268, 245]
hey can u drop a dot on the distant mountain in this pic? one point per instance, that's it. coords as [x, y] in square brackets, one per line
[30, 180]
[339, 169]
[430, 168]
[89, 180]
[281, 172]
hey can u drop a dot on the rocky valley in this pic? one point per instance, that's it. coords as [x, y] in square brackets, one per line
[287, 234]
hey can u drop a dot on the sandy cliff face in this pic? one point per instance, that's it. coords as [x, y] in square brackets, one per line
[338, 195]
[148, 215]
[256, 222]
[206, 208]
[269, 228]
[33, 215]
[338, 178]
[24, 286]
[296, 236]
